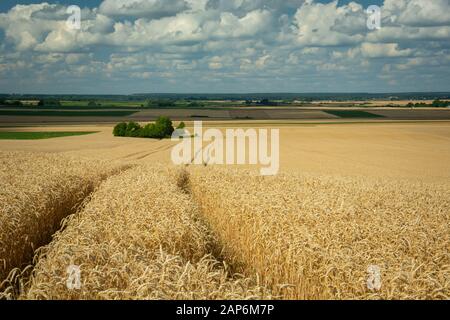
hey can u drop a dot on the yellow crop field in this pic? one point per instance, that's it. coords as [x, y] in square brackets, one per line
[316, 237]
[234, 159]
[37, 191]
[356, 212]
[138, 237]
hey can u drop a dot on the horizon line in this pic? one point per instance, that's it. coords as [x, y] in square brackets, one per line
[225, 93]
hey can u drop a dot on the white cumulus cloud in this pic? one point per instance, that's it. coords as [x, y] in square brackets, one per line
[152, 9]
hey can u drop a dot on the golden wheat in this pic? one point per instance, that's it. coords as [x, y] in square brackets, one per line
[316, 237]
[157, 233]
[138, 237]
[37, 191]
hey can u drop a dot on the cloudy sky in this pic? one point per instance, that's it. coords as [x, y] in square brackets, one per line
[143, 46]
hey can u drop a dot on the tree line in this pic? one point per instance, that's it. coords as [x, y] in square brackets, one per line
[434, 104]
[162, 128]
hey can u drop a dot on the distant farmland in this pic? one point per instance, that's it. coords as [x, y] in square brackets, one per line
[353, 114]
[103, 114]
[39, 113]
[39, 135]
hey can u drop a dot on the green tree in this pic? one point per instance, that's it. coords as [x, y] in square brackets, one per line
[148, 131]
[161, 129]
[49, 103]
[120, 130]
[166, 103]
[133, 129]
[195, 104]
[159, 103]
[440, 104]
[165, 125]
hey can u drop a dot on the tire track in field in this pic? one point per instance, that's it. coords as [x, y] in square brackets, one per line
[15, 274]
[143, 154]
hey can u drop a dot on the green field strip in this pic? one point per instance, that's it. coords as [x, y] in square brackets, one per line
[39, 135]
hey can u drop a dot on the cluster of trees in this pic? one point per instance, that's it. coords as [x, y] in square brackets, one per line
[435, 104]
[41, 103]
[162, 128]
[167, 103]
[159, 103]
[263, 102]
[15, 103]
[92, 103]
[195, 104]
[440, 104]
[267, 102]
[49, 103]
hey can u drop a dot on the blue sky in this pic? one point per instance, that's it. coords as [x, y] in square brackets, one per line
[130, 46]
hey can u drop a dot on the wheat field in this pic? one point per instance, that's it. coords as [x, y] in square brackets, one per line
[138, 237]
[155, 232]
[37, 191]
[315, 237]
[138, 230]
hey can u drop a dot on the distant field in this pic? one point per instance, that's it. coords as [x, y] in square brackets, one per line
[70, 108]
[104, 103]
[143, 104]
[105, 114]
[66, 113]
[39, 135]
[353, 114]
